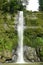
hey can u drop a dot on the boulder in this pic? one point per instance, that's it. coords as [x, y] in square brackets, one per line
[30, 54]
[14, 55]
[7, 54]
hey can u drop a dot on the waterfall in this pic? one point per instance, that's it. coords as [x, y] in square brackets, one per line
[20, 29]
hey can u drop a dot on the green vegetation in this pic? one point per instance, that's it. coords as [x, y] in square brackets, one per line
[11, 6]
[8, 35]
[33, 37]
[41, 5]
[33, 18]
[33, 34]
[8, 32]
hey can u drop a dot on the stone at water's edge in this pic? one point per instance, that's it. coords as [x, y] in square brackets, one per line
[14, 57]
[30, 54]
[8, 57]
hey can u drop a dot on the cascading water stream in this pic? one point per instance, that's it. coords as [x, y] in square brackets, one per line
[20, 29]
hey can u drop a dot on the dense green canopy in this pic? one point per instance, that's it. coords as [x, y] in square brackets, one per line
[11, 5]
[41, 5]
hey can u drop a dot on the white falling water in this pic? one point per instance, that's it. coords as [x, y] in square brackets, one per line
[20, 29]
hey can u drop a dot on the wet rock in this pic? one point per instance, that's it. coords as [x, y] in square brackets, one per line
[0, 54]
[30, 54]
[14, 58]
[14, 55]
[39, 51]
[0, 57]
[8, 57]
[2, 60]
[8, 60]
[7, 54]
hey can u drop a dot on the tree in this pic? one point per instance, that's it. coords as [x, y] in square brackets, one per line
[11, 5]
[41, 5]
[15, 5]
[25, 2]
